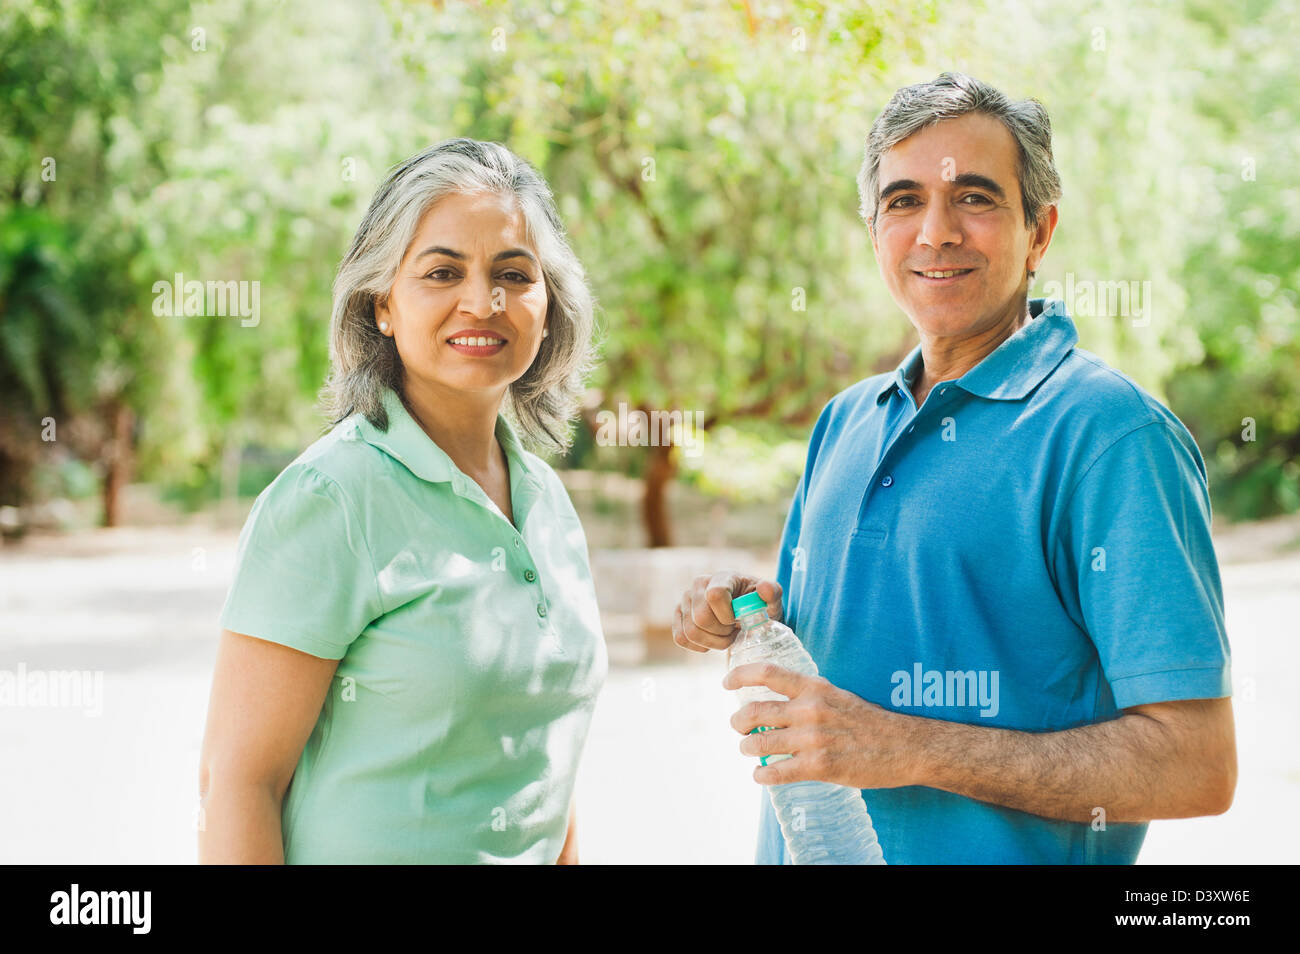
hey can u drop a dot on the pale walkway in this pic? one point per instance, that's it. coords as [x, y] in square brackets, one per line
[661, 779]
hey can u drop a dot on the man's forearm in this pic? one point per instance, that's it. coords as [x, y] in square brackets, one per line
[1133, 767]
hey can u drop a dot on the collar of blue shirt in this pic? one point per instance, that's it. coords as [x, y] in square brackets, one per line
[1016, 366]
[406, 441]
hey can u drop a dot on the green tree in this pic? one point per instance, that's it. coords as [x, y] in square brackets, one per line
[76, 347]
[704, 162]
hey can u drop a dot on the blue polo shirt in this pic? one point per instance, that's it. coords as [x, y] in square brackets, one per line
[1030, 549]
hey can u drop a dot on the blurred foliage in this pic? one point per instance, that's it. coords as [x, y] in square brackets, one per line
[703, 156]
[75, 339]
[736, 465]
[1241, 393]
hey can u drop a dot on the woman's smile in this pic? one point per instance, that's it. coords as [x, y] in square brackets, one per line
[480, 344]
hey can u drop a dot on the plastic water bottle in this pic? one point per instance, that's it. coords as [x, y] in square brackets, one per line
[823, 823]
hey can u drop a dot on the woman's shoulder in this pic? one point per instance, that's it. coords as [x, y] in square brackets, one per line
[547, 476]
[339, 461]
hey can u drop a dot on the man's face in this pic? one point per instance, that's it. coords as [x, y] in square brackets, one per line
[950, 201]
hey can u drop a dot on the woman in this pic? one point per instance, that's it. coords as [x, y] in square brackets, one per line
[411, 648]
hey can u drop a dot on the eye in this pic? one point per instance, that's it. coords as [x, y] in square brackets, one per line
[975, 195]
[902, 198]
[517, 276]
[441, 274]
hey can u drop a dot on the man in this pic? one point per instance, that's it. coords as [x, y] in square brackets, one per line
[999, 553]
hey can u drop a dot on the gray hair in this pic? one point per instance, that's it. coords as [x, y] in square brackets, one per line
[363, 361]
[950, 95]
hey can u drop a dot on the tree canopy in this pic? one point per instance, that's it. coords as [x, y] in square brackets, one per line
[703, 157]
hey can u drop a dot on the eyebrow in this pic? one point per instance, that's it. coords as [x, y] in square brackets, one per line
[965, 179]
[461, 256]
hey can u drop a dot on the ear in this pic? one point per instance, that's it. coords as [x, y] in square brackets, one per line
[1041, 237]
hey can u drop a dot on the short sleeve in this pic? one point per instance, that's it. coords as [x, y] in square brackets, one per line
[1134, 556]
[787, 558]
[303, 573]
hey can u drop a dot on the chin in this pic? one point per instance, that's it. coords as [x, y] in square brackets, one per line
[937, 320]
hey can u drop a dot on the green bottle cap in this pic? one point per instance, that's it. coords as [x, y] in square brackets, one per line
[748, 603]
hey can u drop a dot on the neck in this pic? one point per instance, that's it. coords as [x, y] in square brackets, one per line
[946, 358]
[463, 424]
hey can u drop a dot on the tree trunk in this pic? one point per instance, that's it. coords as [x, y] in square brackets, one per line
[654, 505]
[117, 459]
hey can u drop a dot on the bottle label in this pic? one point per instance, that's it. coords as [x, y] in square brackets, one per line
[765, 759]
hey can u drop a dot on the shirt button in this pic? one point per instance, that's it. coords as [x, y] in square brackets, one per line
[911, 428]
[942, 392]
[529, 575]
[886, 480]
[517, 544]
[541, 609]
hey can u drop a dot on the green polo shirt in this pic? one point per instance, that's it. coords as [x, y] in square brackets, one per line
[470, 652]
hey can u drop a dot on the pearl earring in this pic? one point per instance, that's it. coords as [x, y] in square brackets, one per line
[383, 326]
[545, 332]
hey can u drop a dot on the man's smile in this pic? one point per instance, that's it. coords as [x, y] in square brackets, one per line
[944, 276]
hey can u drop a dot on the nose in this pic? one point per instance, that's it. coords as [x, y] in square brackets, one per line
[940, 226]
[476, 296]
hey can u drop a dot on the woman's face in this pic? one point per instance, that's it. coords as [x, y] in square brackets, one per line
[468, 305]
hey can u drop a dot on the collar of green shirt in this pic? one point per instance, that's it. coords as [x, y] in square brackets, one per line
[1016, 366]
[406, 442]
